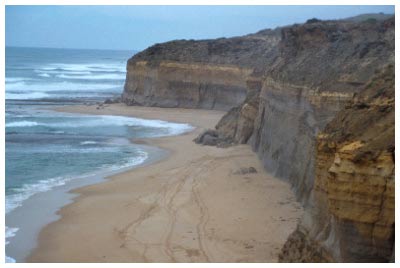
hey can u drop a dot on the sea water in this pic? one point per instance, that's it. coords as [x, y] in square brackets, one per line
[47, 149]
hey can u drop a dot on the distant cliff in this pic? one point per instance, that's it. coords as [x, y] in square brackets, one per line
[287, 91]
[208, 74]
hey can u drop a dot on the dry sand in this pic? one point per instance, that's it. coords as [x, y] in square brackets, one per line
[189, 207]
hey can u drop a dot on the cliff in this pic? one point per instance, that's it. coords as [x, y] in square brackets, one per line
[320, 66]
[208, 74]
[352, 214]
[283, 88]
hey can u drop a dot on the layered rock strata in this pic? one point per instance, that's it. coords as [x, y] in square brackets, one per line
[187, 85]
[351, 218]
[320, 66]
[209, 74]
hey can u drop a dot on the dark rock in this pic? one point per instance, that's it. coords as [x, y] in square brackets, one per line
[209, 140]
[111, 101]
[211, 137]
[243, 171]
[361, 105]
[208, 133]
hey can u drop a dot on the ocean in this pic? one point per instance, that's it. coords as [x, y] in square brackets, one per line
[45, 149]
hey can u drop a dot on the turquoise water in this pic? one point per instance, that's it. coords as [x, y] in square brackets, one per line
[46, 149]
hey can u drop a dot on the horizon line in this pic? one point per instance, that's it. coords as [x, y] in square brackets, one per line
[39, 47]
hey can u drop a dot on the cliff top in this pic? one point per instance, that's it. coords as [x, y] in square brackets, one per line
[260, 49]
[332, 55]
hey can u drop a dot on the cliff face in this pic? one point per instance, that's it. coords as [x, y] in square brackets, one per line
[320, 66]
[283, 87]
[187, 85]
[208, 74]
[350, 204]
[352, 213]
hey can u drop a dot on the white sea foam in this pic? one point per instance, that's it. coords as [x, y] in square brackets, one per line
[83, 67]
[27, 190]
[111, 120]
[22, 87]
[15, 79]
[22, 124]
[10, 260]
[174, 128]
[94, 76]
[59, 71]
[88, 142]
[10, 232]
[26, 96]
[63, 149]
[44, 75]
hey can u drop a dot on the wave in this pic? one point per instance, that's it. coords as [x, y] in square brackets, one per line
[82, 67]
[27, 190]
[58, 132]
[94, 76]
[10, 260]
[22, 124]
[88, 142]
[111, 120]
[10, 232]
[16, 79]
[44, 75]
[173, 128]
[22, 87]
[60, 71]
[68, 150]
[26, 96]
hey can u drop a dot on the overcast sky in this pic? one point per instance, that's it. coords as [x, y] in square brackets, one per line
[137, 27]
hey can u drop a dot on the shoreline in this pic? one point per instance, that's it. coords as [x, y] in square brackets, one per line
[25, 240]
[190, 206]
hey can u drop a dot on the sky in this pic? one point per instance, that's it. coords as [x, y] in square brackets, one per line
[137, 27]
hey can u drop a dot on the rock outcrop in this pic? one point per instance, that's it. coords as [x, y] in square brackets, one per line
[287, 94]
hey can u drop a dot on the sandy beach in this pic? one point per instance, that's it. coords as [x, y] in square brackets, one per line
[192, 206]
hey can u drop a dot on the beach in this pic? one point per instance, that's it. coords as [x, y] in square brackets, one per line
[194, 205]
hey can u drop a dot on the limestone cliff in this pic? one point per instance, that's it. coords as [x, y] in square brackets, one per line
[351, 218]
[319, 67]
[283, 87]
[209, 74]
